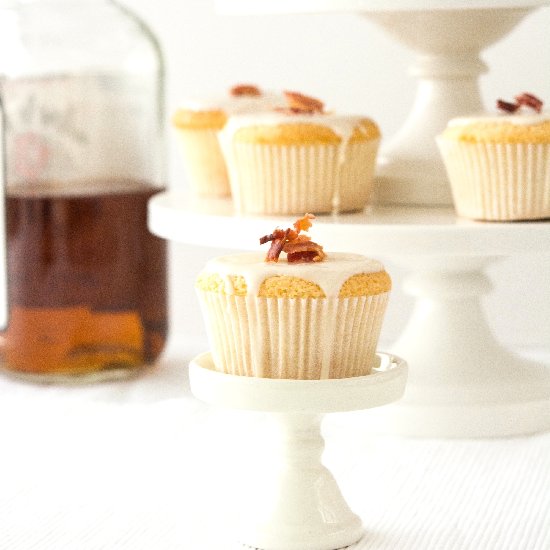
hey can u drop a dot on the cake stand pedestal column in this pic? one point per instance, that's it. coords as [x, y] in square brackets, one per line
[298, 505]
[447, 43]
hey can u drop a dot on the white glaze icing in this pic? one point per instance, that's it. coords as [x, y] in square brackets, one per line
[330, 274]
[342, 125]
[521, 118]
[235, 104]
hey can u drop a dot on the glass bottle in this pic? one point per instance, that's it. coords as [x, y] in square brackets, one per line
[82, 88]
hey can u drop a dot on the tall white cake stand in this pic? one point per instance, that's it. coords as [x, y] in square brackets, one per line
[463, 382]
[298, 506]
[447, 37]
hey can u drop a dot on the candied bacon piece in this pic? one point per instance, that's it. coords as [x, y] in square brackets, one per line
[300, 103]
[245, 89]
[305, 251]
[276, 247]
[529, 100]
[525, 99]
[293, 235]
[298, 247]
[266, 238]
[304, 223]
[298, 239]
[507, 106]
[277, 234]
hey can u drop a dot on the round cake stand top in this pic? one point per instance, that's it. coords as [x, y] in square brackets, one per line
[245, 7]
[385, 385]
[383, 231]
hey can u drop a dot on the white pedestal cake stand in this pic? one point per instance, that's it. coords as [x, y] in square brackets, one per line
[299, 506]
[447, 37]
[462, 383]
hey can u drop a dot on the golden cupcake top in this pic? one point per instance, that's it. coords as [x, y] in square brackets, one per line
[303, 119]
[520, 121]
[294, 267]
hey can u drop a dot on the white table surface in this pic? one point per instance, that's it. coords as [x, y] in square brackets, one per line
[143, 465]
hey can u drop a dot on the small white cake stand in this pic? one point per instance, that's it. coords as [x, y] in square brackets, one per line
[300, 507]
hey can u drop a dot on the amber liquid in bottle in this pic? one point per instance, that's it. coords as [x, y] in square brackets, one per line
[86, 280]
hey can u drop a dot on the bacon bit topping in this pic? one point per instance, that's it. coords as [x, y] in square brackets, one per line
[522, 100]
[305, 251]
[277, 244]
[245, 89]
[304, 223]
[529, 100]
[300, 104]
[298, 247]
[507, 106]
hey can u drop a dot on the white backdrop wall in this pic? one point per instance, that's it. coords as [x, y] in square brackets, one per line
[353, 66]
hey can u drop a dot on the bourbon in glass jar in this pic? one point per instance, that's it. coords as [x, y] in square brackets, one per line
[81, 83]
[87, 280]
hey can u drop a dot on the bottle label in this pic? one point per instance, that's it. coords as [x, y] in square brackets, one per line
[70, 128]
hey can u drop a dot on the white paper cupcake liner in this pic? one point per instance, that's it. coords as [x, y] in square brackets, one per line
[307, 339]
[292, 179]
[204, 163]
[498, 182]
[356, 175]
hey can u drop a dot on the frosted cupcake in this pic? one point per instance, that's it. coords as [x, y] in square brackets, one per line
[308, 315]
[299, 158]
[499, 165]
[197, 123]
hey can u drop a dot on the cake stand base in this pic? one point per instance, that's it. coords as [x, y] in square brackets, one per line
[298, 505]
[463, 382]
[512, 401]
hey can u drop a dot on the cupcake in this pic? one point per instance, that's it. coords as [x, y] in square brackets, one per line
[297, 158]
[197, 123]
[499, 165]
[307, 315]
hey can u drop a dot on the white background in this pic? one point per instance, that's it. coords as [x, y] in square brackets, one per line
[353, 66]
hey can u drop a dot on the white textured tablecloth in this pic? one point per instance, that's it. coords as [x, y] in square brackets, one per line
[142, 465]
